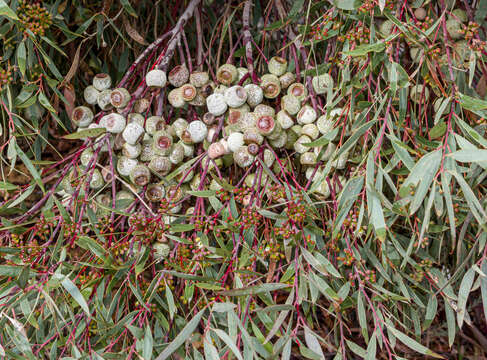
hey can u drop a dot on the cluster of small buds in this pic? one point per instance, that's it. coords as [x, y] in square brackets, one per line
[72, 231]
[86, 276]
[296, 211]
[206, 225]
[369, 5]
[286, 231]
[364, 277]
[30, 251]
[6, 76]
[276, 193]
[421, 269]
[249, 218]
[270, 250]
[424, 24]
[104, 225]
[43, 227]
[320, 30]
[241, 194]
[357, 36]
[34, 17]
[348, 258]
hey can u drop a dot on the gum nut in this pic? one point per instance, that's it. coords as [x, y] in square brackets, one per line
[324, 189]
[155, 192]
[298, 90]
[140, 175]
[287, 79]
[199, 78]
[255, 95]
[291, 104]
[179, 125]
[306, 115]
[162, 143]
[86, 157]
[126, 165]
[161, 250]
[252, 135]
[271, 86]
[264, 110]
[420, 13]
[135, 118]
[330, 149]
[277, 132]
[280, 141]
[82, 116]
[209, 118]
[189, 92]
[216, 104]
[220, 89]
[131, 151]
[141, 105]
[147, 151]
[188, 149]
[197, 131]
[102, 82]
[227, 74]
[242, 157]
[386, 28]
[114, 123]
[160, 164]
[419, 94]
[96, 181]
[298, 145]
[224, 142]
[277, 65]
[153, 124]
[250, 180]
[247, 121]
[284, 119]
[309, 173]
[90, 95]
[104, 100]
[235, 96]
[269, 157]
[216, 150]
[307, 158]
[156, 78]
[321, 83]
[175, 98]
[199, 100]
[118, 142]
[235, 140]
[178, 76]
[291, 139]
[119, 98]
[325, 124]
[234, 114]
[297, 129]
[253, 149]
[241, 73]
[207, 90]
[177, 154]
[342, 161]
[454, 28]
[133, 133]
[310, 130]
[265, 125]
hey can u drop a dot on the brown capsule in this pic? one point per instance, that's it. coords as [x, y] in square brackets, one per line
[140, 175]
[188, 91]
[178, 76]
[253, 148]
[209, 118]
[265, 125]
[207, 90]
[141, 105]
[155, 192]
[174, 193]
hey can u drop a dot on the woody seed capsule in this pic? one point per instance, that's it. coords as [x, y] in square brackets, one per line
[227, 74]
[91, 94]
[82, 116]
[114, 123]
[133, 133]
[255, 95]
[119, 98]
[154, 124]
[277, 65]
[178, 76]
[235, 96]
[102, 82]
[155, 79]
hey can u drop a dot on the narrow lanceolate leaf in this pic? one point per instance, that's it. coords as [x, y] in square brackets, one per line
[320, 263]
[229, 341]
[71, 288]
[179, 340]
[483, 286]
[6, 11]
[312, 342]
[376, 212]
[412, 344]
[472, 200]
[464, 291]
[255, 289]
[21, 57]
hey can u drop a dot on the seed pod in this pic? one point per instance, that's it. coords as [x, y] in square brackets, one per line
[119, 98]
[188, 91]
[104, 100]
[322, 83]
[330, 149]
[131, 151]
[133, 133]
[147, 152]
[154, 124]
[310, 130]
[227, 74]
[126, 165]
[271, 86]
[135, 118]
[178, 76]
[162, 143]
[325, 124]
[96, 181]
[242, 157]
[284, 119]
[86, 156]
[307, 158]
[188, 149]
[454, 28]
[91, 95]
[216, 104]
[160, 164]
[179, 126]
[114, 123]
[287, 79]
[141, 105]
[197, 131]
[175, 193]
[298, 90]
[291, 104]
[176, 98]
[82, 116]
[177, 154]
[279, 141]
[208, 118]
[206, 90]
[420, 13]
[235, 96]
[253, 149]
[269, 157]
[386, 28]
[419, 94]
[216, 150]
[235, 140]
[199, 78]
[235, 114]
[252, 135]
[102, 82]
[291, 139]
[255, 94]
[306, 115]
[156, 79]
[298, 145]
[199, 99]
[140, 175]
[161, 251]
[277, 65]
[323, 189]
[155, 192]
[265, 125]
[264, 110]
[247, 121]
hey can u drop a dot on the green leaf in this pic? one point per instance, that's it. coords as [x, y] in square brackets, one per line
[7, 186]
[45, 102]
[412, 344]
[28, 164]
[463, 292]
[148, 344]
[347, 4]
[483, 286]
[88, 243]
[362, 50]
[71, 288]
[320, 263]
[128, 8]
[471, 103]
[202, 193]
[21, 57]
[95, 132]
[6, 11]
[254, 289]
[229, 341]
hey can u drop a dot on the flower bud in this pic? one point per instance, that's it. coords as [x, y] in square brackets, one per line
[197, 131]
[102, 82]
[235, 140]
[264, 110]
[135, 118]
[235, 114]
[242, 157]
[247, 121]
[141, 105]
[252, 135]
[156, 79]
[310, 130]
[216, 150]
[177, 154]
[147, 152]
[322, 83]
[307, 158]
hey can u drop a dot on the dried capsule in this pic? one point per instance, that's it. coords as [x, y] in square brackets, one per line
[178, 76]
[206, 90]
[253, 149]
[255, 94]
[156, 79]
[235, 96]
[147, 152]
[125, 165]
[269, 157]
[199, 78]
[306, 115]
[287, 79]
[235, 140]
[307, 158]
[155, 192]
[175, 193]
[189, 92]
[90, 95]
[298, 90]
[119, 98]
[141, 105]
[82, 116]
[162, 143]
[264, 110]
[310, 130]
[140, 175]
[420, 13]
[96, 181]
[277, 65]
[114, 123]
[252, 135]
[177, 154]
[176, 98]
[321, 83]
[242, 157]
[135, 118]
[325, 124]
[131, 151]
[265, 125]
[161, 251]
[235, 114]
[247, 121]
[216, 150]
[104, 100]
[209, 118]
[160, 164]
[102, 82]
[197, 131]
[179, 125]
[298, 145]
[216, 104]
[154, 124]
[227, 74]
[133, 133]
[455, 28]
[271, 86]
[291, 104]
[284, 119]
[386, 28]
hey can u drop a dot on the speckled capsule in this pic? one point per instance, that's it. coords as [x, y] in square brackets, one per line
[114, 123]
[325, 124]
[197, 131]
[287, 79]
[178, 76]
[104, 100]
[133, 133]
[298, 90]
[235, 96]
[154, 124]
[279, 141]
[90, 95]
[284, 119]
[247, 121]
[188, 92]
[119, 98]
[277, 65]
[156, 79]
[321, 83]
[162, 143]
[291, 104]
[298, 145]
[242, 157]
[96, 181]
[310, 130]
[160, 164]
[155, 192]
[216, 104]
[255, 94]
[216, 150]
[82, 116]
[271, 86]
[175, 98]
[199, 78]
[177, 154]
[252, 135]
[125, 165]
[102, 82]
[131, 151]
[86, 156]
[241, 73]
[235, 140]
[307, 158]
[234, 114]
[135, 118]
[147, 152]
[227, 74]
[306, 115]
